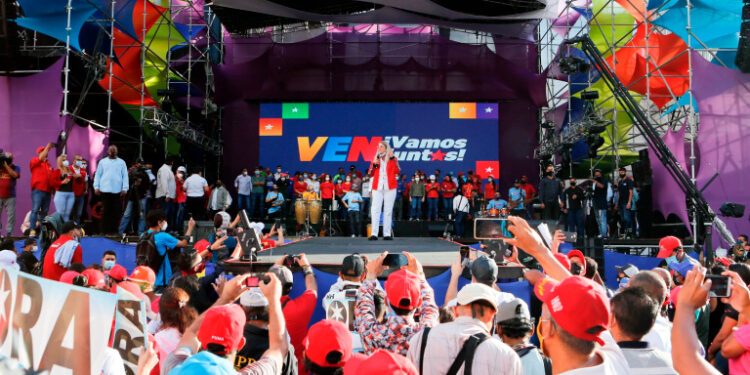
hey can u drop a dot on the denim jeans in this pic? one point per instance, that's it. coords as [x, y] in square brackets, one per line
[78, 208]
[458, 224]
[416, 208]
[40, 201]
[256, 203]
[447, 206]
[9, 205]
[354, 223]
[624, 217]
[64, 201]
[601, 220]
[364, 207]
[130, 212]
[432, 208]
[167, 207]
[575, 221]
[243, 202]
[179, 215]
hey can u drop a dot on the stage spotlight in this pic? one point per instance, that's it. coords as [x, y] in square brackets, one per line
[590, 95]
[548, 125]
[732, 209]
[572, 65]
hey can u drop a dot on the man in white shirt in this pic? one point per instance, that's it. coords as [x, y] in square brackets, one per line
[166, 188]
[196, 188]
[633, 315]
[477, 305]
[574, 316]
[461, 209]
[244, 185]
[339, 302]
[660, 335]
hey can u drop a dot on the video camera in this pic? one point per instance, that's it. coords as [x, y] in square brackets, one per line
[5, 158]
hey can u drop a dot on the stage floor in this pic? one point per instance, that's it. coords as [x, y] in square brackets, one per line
[429, 251]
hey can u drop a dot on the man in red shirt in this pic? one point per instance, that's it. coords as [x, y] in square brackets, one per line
[63, 252]
[448, 188]
[41, 190]
[298, 311]
[326, 192]
[530, 195]
[80, 187]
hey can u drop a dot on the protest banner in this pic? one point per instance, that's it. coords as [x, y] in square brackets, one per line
[130, 329]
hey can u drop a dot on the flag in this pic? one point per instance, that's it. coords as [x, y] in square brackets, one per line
[295, 110]
[270, 126]
[462, 110]
[487, 110]
[488, 168]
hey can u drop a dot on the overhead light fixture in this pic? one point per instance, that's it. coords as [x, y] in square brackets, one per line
[571, 65]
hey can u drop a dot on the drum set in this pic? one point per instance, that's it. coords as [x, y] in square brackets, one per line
[493, 212]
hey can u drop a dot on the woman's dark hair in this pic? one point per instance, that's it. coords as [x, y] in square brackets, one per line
[743, 270]
[185, 259]
[189, 284]
[7, 244]
[78, 267]
[516, 328]
[591, 267]
[154, 216]
[319, 370]
[174, 309]
[718, 268]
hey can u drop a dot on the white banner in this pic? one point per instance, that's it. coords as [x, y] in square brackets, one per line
[130, 329]
[57, 327]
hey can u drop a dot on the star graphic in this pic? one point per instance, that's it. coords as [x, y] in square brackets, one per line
[438, 155]
[335, 311]
[294, 109]
[269, 127]
[488, 109]
[489, 170]
[3, 297]
[462, 109]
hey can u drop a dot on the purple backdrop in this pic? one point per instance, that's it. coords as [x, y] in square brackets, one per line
[29, 118]
[668, 198]
[723, 97]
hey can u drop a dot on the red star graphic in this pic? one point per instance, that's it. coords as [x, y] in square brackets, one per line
[438, 155]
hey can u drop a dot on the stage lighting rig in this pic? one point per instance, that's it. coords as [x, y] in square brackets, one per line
[571, 65]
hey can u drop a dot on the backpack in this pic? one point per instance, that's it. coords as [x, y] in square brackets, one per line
[464, 358]
[545, 360]
[146, 253]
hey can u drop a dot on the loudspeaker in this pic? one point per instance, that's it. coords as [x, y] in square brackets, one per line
[732, 209]
[642, 174]
[743, 47]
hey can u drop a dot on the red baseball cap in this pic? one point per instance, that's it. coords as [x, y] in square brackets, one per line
[380, 362]
[223, 325]
[575, 253]
[118, 272]
[68, 276]
[328, 343]
[578, 305]
[404, 290]
[724, 261]
[39, 149]
[563, 260]
[668, 245]
[95, 277]
[201, 245]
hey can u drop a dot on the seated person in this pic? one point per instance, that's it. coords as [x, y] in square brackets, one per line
[497, 202]
[222, 227]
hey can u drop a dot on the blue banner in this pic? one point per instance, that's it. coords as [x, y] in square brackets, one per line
[321, 137]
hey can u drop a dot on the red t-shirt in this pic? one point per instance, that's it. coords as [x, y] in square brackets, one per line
[477, 184]
[326, 189]
[467, 189]
[53, 271]
[297, 314]
[530, 191]
[346, 186]
[448, 187]
[79, 183]
[181, 195]
[489, 191]
[432, 189]
[6, 184]
[339, 190]
[41, 172]
[300, 187]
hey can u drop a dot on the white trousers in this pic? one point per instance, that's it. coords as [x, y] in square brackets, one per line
[380, 198]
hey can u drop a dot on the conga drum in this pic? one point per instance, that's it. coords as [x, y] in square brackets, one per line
[316, 206]
[300, 210]
[494, 212]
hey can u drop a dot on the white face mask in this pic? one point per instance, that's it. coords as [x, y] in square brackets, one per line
[416, 178]
[164, 226]
[278, 170]
[35, 248]
[244, 173]
[348, 179]
[65, 163]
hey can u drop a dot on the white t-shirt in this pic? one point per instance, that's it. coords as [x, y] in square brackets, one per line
[338, 304]
[382, 176]
[113, 364]
[460, 204]
[194, 186]
[613, 361]
[167, 339]
[660, 335]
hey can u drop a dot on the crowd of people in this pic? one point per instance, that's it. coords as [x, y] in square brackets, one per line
[120, 195]
[659, 321]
